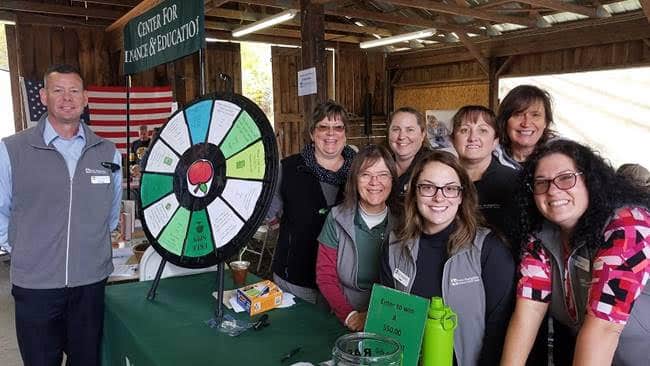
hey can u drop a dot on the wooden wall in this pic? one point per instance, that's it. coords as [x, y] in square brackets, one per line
[442, 96]
[446, 86]
[450, 77]
[356, 74]
[38, 47]
[589, 58]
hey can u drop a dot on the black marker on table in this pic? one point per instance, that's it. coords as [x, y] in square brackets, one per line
[290, 354]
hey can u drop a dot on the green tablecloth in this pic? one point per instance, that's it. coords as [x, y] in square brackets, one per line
[171, 330]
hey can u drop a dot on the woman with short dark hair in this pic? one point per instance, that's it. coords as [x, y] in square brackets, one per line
[586, 258]
[474, 136]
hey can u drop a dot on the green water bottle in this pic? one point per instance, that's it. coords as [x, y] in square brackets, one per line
[438, 343]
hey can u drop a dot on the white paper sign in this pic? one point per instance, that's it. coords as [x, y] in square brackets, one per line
[307, 81]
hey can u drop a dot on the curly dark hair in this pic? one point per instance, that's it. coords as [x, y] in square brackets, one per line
[607, 192]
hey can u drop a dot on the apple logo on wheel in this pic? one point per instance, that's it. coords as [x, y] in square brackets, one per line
[199, 178]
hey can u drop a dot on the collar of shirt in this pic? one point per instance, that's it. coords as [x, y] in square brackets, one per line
[49, 134]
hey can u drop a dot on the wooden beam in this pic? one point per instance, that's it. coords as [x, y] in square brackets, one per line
[493, 4]
[591, 32]
[396, 19]
[505, 65]
[645, 4]
[213, 4]
[646, 42]
[341, 27]
[562, 6]
[57, 21]
[280, 32]
[458, 10]
[253, 37]
[312, 42]
[139, 9]
[14, 72]
[284, 4]
[471, 47]
[76, 11]
[476, 52]
[125, 3]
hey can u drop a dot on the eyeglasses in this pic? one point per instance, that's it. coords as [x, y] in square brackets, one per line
[563, 181]
[430, 190]
[381, 177]
[326, 128]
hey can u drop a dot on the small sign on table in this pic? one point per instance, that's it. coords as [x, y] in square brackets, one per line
[400, 316]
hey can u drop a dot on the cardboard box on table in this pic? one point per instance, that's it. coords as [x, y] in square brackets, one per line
[259, 297]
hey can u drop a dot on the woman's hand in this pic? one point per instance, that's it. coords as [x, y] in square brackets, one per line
[357, 321]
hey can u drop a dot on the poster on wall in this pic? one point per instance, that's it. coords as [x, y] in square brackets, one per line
[439, 127]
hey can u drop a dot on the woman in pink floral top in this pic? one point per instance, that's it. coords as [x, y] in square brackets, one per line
[586, 259]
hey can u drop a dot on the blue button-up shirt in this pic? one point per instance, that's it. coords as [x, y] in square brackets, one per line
[71, 150]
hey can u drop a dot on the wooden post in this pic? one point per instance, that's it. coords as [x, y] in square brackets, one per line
[312, 34]
[493, 84]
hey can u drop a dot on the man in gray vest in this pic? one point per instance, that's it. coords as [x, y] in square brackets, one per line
[60, 192]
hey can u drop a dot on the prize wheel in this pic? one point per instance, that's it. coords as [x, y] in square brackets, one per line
[207, 180]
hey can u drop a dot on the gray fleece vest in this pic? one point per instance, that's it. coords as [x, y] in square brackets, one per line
[634, 342]
[347, 263]
[59, 228]
[462, 289]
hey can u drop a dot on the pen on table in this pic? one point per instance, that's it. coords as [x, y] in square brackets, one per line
[290, 354]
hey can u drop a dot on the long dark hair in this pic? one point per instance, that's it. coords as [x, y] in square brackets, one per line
[468, 218]
[607, 192]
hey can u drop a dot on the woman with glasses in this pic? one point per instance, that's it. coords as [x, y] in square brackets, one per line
[524, 122]
[586, 260]
[442, 250]
[474, 137]
[310, 183]
[351, 239]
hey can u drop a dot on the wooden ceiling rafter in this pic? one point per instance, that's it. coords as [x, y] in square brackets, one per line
[332, 26]
[124, 3]
[562, 6]
[395, 19]
[213, 4]
[645, 4]
[471, 47]
[43, 8]
[464, 11]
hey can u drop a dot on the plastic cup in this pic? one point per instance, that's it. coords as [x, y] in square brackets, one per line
[239, 270]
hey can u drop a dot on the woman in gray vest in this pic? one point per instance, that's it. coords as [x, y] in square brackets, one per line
[586, 258]
[442, 250]
[351, 239]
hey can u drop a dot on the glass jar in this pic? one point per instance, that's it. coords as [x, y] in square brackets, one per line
[368, 349]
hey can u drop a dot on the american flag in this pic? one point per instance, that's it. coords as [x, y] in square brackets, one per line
[149, 106]
[33, 107]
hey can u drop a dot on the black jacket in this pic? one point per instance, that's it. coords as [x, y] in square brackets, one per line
[304, 213]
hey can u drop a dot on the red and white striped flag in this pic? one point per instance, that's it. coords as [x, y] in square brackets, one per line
[149, 106]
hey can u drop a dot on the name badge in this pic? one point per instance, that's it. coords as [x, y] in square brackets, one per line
[401, 277]
[100, 179]
[582, 263]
